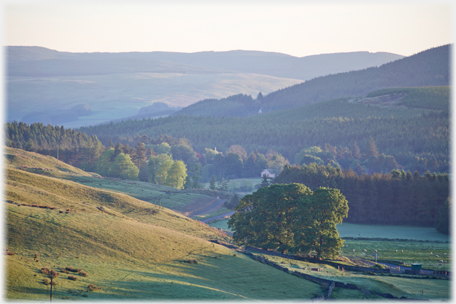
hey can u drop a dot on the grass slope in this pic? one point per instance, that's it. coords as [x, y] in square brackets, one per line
[129, 248]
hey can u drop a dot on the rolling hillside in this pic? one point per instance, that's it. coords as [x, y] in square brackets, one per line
[428, 68]
[126, 248]
[48, 86]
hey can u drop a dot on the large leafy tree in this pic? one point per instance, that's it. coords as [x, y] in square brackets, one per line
[176, 176]
[292, 217]
[315, 219]
[104, 162]
[123, 167]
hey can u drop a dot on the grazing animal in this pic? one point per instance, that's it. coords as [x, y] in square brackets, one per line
[436, 255]
[396, 250]
[353, 250]
[402, 250]
[365, 250]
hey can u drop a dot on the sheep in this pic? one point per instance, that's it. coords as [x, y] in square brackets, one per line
[375, 250]
[365, 250]
[431, 252]
[441, 261]
[353, 250]
[436, 255]
[396, 250]
[402, 250]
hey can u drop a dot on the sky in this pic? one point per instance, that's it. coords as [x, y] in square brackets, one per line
[298, 28]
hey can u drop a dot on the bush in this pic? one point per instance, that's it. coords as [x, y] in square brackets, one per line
[72, 269]
[83, 273]
[48, 281]
[9, 253]
[45, 270]
[70, 277]
[191, 261]
[92, 287]
[379, 266]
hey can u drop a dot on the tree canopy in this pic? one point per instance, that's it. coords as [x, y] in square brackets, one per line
[291, 217]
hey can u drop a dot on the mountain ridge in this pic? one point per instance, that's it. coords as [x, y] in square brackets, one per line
[427, 68]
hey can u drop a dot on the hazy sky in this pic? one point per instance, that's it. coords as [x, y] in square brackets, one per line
[298, 28]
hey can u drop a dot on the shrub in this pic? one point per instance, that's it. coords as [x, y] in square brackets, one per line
[72, 269]
[379, 266]
[9, 253]
[45, 270]
[48, 281]
[92, 287]
[54, 273]
[83, 273]
[36, 255]
[191, 261]
[70, 277]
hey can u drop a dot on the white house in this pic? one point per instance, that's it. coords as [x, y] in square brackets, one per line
[268, 173]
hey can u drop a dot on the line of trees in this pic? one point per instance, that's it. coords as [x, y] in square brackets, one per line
[395, 198]
[74, 148]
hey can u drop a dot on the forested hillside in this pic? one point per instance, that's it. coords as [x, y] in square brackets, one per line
[428, 68]
[412, 129]
[74, 148]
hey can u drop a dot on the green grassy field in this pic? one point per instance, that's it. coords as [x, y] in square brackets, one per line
[408, 252]
[409, 287]
[129, 248]
[134, 249]
[391, 232]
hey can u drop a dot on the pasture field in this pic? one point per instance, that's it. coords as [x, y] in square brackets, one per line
[349, 230]
[223, 224]
[428, 254]
[130, 249]
[159, 195]
[398, 286]
[130, 259]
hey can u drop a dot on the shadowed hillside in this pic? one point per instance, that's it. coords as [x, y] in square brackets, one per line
[428, 68]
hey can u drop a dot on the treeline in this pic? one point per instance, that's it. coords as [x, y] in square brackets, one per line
[74, 148]
[395, 198]
[418, 139]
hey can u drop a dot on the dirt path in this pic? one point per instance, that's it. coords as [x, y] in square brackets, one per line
[219, 217]
[212, 208]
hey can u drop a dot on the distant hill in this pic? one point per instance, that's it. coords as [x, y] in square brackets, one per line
[45, 85]
[428, 68]
[41, 61]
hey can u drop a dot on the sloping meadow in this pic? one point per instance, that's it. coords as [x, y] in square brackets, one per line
[108, 245]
